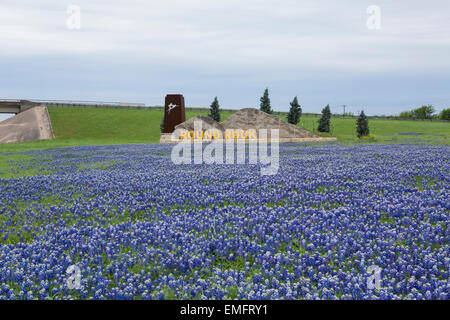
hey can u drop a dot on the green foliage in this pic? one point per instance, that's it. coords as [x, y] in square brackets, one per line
[295, 112]
[324, 121]
[362, 125]
[265, 102]
[233, 292]
[20, 165]
[214, 110]
[169, 294]
[406, 115]
[445, 114]
[385, 219]
[424, 112]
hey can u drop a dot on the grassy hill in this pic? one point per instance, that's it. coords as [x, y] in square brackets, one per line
[384, 130]
[96, 126]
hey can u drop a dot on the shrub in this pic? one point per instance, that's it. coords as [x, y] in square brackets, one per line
[445, 114]
[324, 121]
[362, 125]
[214, 110]
[405, 115]
[265, 102]
[424, 112]
[295, 112]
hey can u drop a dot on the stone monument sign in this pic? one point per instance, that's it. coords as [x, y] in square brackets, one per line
[174, 112]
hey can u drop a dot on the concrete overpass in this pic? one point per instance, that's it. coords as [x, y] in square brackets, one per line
[32, 121]
[17, 106]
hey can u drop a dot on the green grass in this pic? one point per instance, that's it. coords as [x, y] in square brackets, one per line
[382, 131]
[74, 126]
[110, 125]
[19, 165]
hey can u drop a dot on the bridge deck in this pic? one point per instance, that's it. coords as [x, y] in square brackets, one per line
[9, 106]
[9, 109]
[16, 106]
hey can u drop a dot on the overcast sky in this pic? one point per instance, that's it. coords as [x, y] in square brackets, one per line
[320, 50]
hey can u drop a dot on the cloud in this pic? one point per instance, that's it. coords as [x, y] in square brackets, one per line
[253, 39]
[283, 34]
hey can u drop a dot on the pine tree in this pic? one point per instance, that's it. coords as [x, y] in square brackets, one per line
[265, 102]
[324, 121]
[362, 125]
[295, 112]
[214, 110]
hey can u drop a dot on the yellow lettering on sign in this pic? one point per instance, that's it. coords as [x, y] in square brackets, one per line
[228, 134]
[200, 135]
[217, 134]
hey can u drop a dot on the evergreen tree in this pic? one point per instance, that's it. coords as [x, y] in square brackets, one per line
[324, 121]
[265, 102]
[362, 125]
[295, 112]
[214, 110]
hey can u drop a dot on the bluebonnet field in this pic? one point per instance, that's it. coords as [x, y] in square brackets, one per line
[140, 227]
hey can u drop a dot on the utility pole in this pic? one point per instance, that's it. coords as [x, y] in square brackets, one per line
[344, 110]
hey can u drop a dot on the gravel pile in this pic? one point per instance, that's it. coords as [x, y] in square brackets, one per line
[250, 118]
[207, 124]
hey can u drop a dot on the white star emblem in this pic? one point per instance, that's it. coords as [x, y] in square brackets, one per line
[171, 106]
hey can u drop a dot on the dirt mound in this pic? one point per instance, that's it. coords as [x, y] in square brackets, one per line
[250, 118]
[207, 124]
